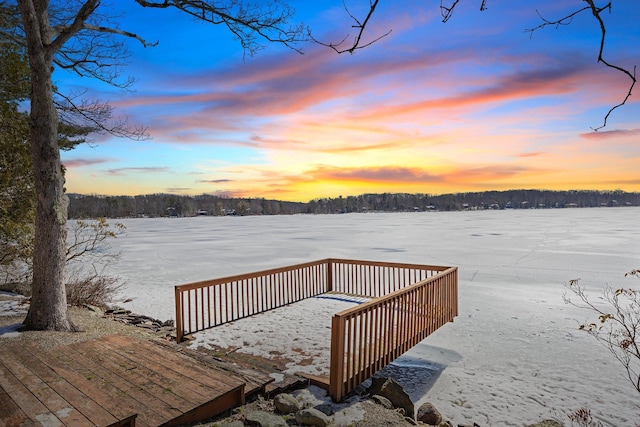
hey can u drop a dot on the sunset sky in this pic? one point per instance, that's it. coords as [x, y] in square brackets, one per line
[474, 104]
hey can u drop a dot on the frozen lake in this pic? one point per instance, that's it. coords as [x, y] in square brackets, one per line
[513, 355]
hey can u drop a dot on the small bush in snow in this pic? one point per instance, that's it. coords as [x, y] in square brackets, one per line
[618, 323]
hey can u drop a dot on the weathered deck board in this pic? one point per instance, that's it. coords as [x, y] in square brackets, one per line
[169, 363]
[115, 388]
[111, 381]
[56, 393]
[102, 393]
[255, 380]
[12, 414]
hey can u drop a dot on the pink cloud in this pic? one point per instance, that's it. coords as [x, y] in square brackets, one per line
[74, 163]
[532, 154]
[386, 174]
[610, 134]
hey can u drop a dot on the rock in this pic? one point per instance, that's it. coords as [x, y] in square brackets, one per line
[286, 403]
[162, 329]
[234, 424]
[428, 414]
[264, 419]
[312, 417]
[97, 311]
[547, 423]
[411, 421]
[387, 387]
[380, 400]
[118, 311]
[325, 408]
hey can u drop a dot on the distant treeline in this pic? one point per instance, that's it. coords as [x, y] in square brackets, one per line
[157, 205]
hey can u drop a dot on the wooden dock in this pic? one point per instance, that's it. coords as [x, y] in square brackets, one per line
[114, 381]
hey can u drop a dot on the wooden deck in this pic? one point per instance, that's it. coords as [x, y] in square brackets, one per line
[113, 381]
[401, 305]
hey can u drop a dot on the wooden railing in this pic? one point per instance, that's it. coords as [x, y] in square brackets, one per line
[376, 279]
[410, 301]
[203, 305]
[367, 337]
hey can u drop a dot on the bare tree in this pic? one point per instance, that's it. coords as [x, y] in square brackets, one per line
[78, 37]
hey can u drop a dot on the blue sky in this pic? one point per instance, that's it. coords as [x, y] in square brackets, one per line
[474, 104]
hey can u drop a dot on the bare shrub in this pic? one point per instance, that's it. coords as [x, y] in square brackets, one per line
[88, 257]
[618, 322]
[582, 418]
[89, 241]
[98, 290]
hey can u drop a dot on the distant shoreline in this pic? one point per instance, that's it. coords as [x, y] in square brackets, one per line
[170, 205]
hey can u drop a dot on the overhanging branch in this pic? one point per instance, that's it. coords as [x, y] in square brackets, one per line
[248, 22]
[361, 26]
[447, 11]
[596, 12]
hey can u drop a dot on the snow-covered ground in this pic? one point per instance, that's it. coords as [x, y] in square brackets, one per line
[514, 354]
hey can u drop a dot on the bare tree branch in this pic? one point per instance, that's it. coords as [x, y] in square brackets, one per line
[63, 34]
[101, 29]
[596, 11]
[97, 117]
[248, 22]
[447, 11]
[361, 26]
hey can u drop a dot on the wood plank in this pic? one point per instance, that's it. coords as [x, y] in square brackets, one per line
[57, 406]
[95, 413]
[126, 422]
[208, 410]
[188, 389]
[154, 410]
[107, 383]
[217, 391]
[120, 408]
[255, 381]
[23, 398]
[180, 363]
[321, 381]
[12, 414]
[114, 398]
[130, 372]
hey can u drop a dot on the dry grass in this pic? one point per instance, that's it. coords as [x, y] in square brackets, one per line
[92, 325]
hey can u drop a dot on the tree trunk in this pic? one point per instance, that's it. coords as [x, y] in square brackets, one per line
[48, 309]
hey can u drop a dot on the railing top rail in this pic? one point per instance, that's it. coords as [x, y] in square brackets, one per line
[213, 282]
[389, 264]
[383, 299]
[237, 277]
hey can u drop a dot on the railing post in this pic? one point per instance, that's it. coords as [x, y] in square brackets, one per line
[336, 367]
[455, 291]
[329, 275]
[179, 330]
